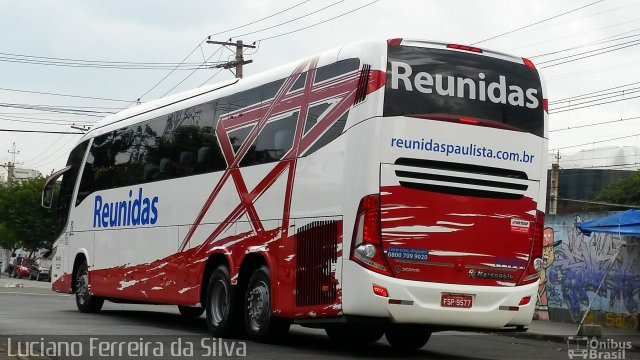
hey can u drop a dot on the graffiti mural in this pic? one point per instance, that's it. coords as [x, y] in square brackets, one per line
[548, 256]
[586, 269]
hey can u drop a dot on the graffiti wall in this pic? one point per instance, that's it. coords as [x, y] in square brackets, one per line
[580, 269]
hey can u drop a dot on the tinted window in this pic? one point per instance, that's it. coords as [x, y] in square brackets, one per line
[435, 81]
[179, 144]
[273, 142]
[68, 184]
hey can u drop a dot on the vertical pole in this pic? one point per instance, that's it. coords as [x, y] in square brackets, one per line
[239, 59]
[555, 176]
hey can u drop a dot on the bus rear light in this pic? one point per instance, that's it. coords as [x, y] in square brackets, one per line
[366, 248]
[534, 265]
[466, 120]
[464, 47]
[529, 63]
[545, 105]
[394, 42]
[525, 300]
[380, 291]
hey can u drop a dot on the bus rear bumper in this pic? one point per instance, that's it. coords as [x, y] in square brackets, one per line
[415, 302]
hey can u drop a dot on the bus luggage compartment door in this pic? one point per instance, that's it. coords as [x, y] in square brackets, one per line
[439, 230]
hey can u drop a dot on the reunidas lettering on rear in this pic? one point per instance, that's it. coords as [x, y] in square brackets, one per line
[134, 211]
[426, 81]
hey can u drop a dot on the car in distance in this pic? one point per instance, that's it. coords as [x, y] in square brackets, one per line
[41, 269]
[22, 267]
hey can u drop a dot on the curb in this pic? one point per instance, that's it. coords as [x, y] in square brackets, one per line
[635, 345]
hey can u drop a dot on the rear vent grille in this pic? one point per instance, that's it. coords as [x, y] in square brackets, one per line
[317, 251]
[461, 179]
[361, 92]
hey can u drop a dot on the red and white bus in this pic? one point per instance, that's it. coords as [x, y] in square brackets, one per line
[387, 187]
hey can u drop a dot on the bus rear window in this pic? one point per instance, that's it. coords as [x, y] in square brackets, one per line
[423, 81]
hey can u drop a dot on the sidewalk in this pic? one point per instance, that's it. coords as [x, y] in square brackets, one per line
[8, 282]
[547, 330]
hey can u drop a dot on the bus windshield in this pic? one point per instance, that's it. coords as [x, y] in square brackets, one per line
[427, 81]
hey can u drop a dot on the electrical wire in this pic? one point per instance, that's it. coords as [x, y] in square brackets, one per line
[591, 105]
[596, 142]
[601, 97]
[261, 19]
[63, 95]
[292, 20]
[193, 72]
[324, 21]
[601, 41]
[592, 55]
[595, 124]
[586, 95]
[536, 23]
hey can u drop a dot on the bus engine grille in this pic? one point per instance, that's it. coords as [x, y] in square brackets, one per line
[461, 179]
[317, 251]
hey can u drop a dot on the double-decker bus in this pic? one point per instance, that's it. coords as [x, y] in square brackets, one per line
[387, 187]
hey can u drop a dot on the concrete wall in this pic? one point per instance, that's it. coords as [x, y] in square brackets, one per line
[576, 265]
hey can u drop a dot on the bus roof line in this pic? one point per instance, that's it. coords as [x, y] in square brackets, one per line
[181, 99]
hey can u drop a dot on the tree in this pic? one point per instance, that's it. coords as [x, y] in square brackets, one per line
[623, 192]
[23, 222]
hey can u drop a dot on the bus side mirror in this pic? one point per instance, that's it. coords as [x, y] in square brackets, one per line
[47, 197]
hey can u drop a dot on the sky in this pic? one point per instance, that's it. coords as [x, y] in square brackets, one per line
[579, 46]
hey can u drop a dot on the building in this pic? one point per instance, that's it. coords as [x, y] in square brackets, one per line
[24, 174]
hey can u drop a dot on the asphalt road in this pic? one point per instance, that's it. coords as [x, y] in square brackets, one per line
[45, 316]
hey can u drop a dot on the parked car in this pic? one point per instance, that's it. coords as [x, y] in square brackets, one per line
[41, 269]
[22, 267]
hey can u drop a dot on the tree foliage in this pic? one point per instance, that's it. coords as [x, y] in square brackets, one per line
[623, 192]
[23, 222]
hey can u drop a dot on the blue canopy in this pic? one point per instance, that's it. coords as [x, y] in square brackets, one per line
[624, 223]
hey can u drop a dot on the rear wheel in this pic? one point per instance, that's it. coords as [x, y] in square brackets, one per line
[408, 338]
[261, 325]
[354, 334]
[189, 311]
[85, 301]
[222, 312]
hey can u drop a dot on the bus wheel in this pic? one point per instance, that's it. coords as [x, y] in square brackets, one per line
[86, 302]
[354, 335]
[408, 338]
[220, 305]
[261, 325]
[189, 311]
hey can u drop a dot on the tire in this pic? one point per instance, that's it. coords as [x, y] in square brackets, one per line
[409, 338]
[223, 314]
[30, 276]
[354, 335]
[260, 323]
[189, 311]
[85, 302]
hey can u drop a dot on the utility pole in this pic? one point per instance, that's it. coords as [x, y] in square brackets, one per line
[555, 176]
[12, 165]
[239, 56]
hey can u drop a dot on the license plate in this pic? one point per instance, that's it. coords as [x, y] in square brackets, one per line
[456, 300]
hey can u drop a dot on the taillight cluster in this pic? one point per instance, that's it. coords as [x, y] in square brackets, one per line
[366, 247]
[534, 265]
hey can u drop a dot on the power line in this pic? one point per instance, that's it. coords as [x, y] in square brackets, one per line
[537, 22]
[591, 105]
[596, 142]
[601, 41]
[42, 122]
[167, 75]
[601, 97]
[41, 131]
[188, 76]
[576, 97]
[63, 95]
[292, 20]
[616, 46]
[261, 19]
[637, 42]
[595, 124]
[322, 22]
